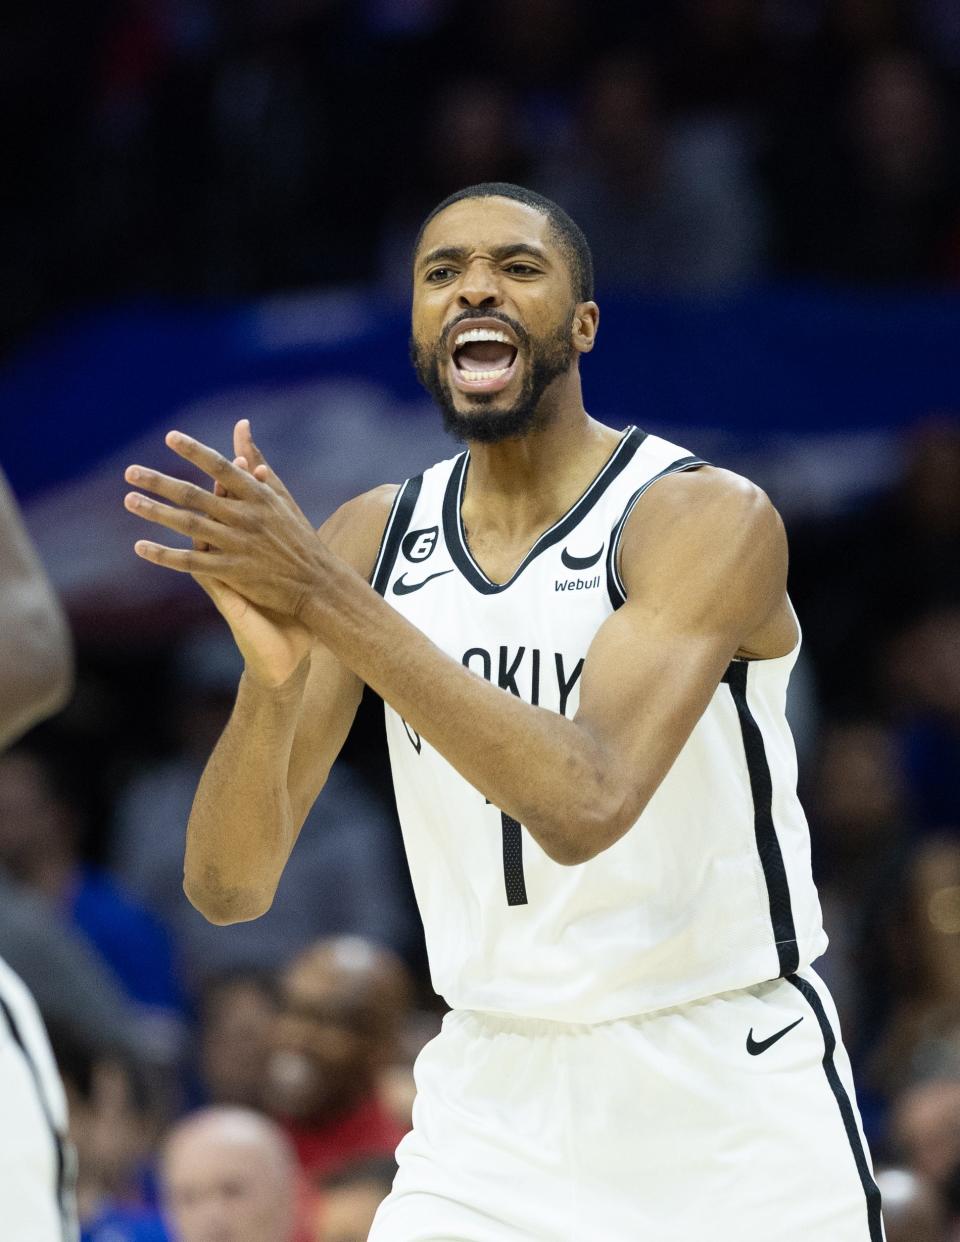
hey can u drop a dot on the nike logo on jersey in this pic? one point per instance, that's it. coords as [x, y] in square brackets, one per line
[580, 562]
[401, 587]
[755, 1048]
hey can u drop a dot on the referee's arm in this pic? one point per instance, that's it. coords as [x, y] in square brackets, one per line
[36, 656]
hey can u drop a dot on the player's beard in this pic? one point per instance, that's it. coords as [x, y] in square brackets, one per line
[545, 360]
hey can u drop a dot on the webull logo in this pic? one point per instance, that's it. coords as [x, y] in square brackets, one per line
[576, 584]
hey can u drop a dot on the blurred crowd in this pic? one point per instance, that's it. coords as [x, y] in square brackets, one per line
[262, 1073]
[223, 147]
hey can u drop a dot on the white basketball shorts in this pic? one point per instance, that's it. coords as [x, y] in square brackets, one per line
[36, 1162]
[732, 1118]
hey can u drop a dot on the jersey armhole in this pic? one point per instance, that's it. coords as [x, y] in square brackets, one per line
[404, 504]
[615, 587]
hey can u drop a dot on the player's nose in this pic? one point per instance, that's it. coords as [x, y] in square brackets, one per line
[478, 287]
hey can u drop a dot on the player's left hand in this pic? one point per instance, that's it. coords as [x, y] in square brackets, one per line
[250, 532]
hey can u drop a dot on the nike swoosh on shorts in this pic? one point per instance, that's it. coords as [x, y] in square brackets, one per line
[755, 1048]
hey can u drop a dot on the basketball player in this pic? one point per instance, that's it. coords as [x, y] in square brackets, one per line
[583, 640]
[36, 1178]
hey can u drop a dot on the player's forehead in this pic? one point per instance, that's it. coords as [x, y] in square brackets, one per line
[477, 225]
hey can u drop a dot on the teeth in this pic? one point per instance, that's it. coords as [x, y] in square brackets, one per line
[473, 377]
[481, 334]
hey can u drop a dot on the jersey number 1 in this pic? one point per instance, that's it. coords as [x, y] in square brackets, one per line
[513, 861]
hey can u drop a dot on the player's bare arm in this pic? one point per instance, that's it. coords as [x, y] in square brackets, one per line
[294, 707]
[704, 561]
[276, 752]
[36, 659]
[705, 564]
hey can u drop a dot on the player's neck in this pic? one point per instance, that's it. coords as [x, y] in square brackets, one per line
[518, 488]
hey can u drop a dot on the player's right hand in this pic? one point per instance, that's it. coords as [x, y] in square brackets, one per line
[273, 646]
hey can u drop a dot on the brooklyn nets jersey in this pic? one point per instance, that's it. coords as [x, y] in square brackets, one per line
[710, 890]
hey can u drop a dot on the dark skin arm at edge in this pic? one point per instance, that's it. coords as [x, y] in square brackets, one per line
[36, 655]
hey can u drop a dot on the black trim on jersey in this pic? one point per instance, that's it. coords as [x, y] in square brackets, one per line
[870, 1188]
[60, 1186]
[453, 525]
[394, 531]
[615, 587]
[768, 845]
[513, 878]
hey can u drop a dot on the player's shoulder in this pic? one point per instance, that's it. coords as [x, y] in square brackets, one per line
[355, 530]
[708, 494]
[708, 506]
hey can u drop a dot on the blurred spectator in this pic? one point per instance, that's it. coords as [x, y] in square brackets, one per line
[925, 1129]
[857, 822]
[40, 847]
[922, 1036]
[912, 1209]
[74, 988]
[532, 45]
[860, 579]
[229, 1174]
[346, 873]
[938, 22]
[345, 1209]
[664, 205]
[718, 57]
[877, 200]
[273, 150]
[203, 148]
[342, 1005]
[236, 1015]
[114, 1126]
[396, 1086]
[472, 133]
[925, 683]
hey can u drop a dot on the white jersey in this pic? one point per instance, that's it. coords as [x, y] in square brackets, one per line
[710, 890]
[37, 1162]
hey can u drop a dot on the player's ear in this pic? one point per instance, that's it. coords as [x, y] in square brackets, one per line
[586, 320]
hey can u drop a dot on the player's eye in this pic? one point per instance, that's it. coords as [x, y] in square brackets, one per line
[522, 269]
[438, 274]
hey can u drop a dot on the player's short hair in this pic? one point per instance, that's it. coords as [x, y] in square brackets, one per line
[565, 229]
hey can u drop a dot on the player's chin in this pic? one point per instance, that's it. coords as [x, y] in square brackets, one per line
[485, 383]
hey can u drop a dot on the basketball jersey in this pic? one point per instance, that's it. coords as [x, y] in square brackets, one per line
[711, 888]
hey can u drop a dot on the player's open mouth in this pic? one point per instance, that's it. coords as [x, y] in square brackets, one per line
[483, 357]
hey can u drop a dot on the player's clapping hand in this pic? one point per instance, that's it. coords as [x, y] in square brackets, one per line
[254, 552]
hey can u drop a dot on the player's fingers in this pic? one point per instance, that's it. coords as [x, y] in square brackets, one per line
[241, 464]
[266, 474]
[243, 444]
[184, 521]
[237, 482]
[219, 491]
[181, 492]
[259, 466]
[181, 560]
